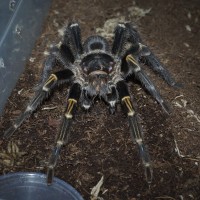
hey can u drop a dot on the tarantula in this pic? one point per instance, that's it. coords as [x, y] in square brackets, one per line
[95, 70]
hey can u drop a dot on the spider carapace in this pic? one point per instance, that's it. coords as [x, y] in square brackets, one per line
[95, 69]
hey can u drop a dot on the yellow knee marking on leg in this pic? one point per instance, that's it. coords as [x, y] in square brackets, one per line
[127, 101]
[52, 77]
[131, 59]
[70, 105]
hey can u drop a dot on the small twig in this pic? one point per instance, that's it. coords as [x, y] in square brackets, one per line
[178, 96]
[181, 155]
[165, 197]
[49, 108]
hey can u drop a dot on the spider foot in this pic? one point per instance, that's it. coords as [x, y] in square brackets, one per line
[52, 163]
[148, 171]
[9, 132]
[50, 175]
[177, 85]
[165, 107]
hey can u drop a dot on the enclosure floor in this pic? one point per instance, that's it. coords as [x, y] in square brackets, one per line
[100, 144]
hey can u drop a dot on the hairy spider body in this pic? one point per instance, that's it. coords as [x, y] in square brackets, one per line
[96, 70]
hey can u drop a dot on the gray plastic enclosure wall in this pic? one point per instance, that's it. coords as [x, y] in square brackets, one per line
[20, 25]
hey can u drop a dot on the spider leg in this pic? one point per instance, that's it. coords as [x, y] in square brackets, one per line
[146, 82]
[132, 34]
[72, 38]
[119, 39]
[61, 56]
[136, 131]
[63, 135]
[148, 57]
[154, 63]
[41, 94]
[126, 33]
[65, 53]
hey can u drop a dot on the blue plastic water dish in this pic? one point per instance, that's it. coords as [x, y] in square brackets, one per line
[33, 186]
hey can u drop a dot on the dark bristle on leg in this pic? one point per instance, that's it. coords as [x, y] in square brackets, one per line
[49, 64]
[136, 131]
[72, 38]
[132, 34]
[76, 32]
[119, 39]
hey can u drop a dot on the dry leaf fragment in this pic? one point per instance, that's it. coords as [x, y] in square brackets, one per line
[188, 28]
[96, 189]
